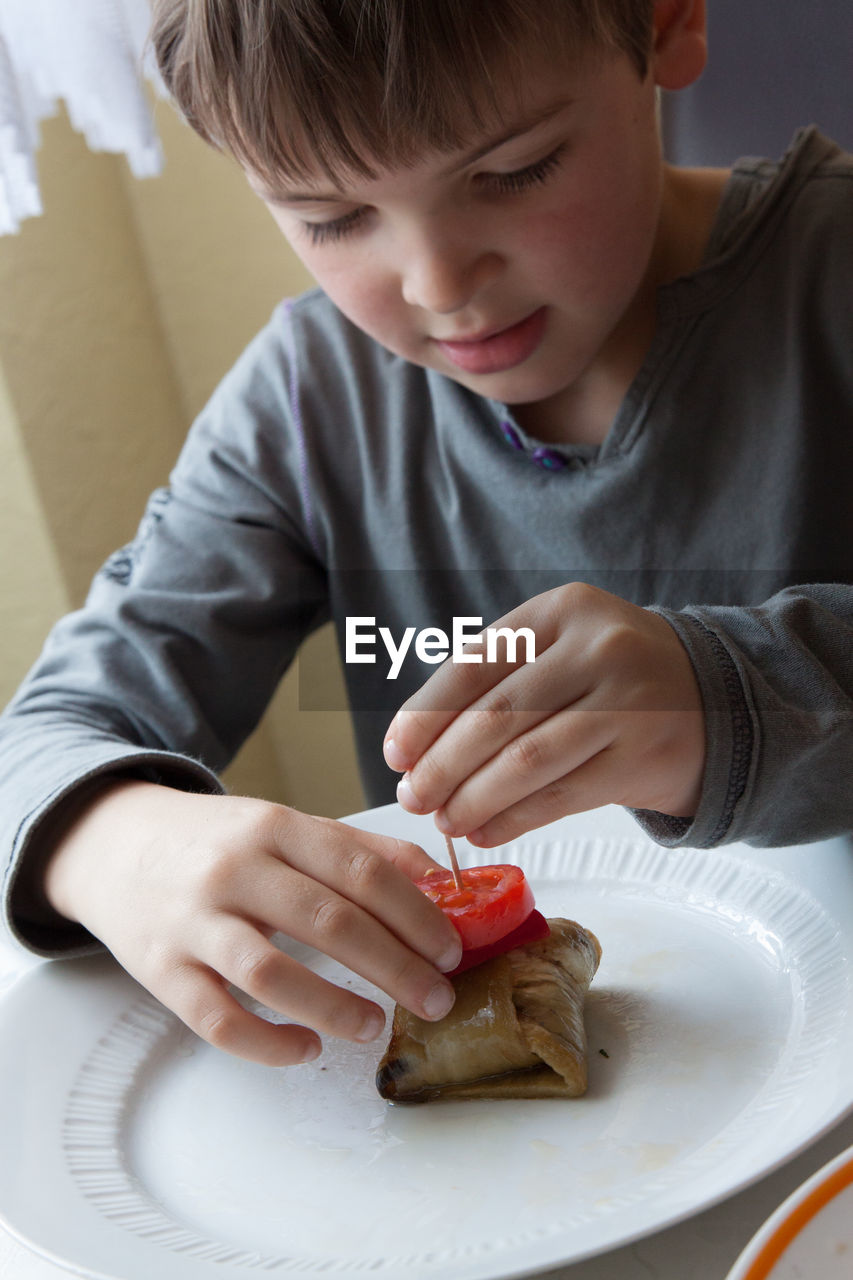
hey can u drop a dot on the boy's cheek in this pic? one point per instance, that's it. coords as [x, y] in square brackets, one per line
[377, 311]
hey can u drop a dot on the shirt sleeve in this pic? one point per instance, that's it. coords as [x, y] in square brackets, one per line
[183, 638]
[777, 688]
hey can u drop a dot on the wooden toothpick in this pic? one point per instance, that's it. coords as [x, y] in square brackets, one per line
[457, 874]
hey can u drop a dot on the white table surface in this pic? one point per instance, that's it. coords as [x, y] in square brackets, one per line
[702, 1248]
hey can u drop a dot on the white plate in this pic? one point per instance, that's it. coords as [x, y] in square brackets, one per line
[720, 1029]
[810, 1236]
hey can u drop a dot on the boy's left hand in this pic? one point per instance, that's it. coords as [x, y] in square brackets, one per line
[609, 713]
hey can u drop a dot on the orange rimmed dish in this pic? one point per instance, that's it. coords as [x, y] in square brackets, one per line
[810, 1234]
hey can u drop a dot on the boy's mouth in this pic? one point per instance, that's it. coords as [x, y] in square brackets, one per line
[497, 351]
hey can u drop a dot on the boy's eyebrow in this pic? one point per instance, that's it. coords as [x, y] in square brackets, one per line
[516, 130]
[298, 197]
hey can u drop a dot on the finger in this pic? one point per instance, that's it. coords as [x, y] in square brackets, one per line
[502, 716]
[587, 787]
[551, 750]
[422, 720]
[575, 611]
[203, 1003]
[311, 912]
[529, 696]
[272, 893]
[460, 682]
[246, 959]
[410, 858]
[342, 861]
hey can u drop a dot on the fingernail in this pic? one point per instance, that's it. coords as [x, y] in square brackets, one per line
[370, 1028]
[406, 796]
[451, 957]
[312, 1051]
[439, 1001]
[474, 837]
[443, 823]
[394, 757]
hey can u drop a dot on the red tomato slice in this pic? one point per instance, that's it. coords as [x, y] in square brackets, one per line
[531, 930]
[494, 901]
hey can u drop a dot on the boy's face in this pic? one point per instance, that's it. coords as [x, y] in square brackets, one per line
[515, 266]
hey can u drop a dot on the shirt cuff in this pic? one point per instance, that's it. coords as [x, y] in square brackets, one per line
[730, 738]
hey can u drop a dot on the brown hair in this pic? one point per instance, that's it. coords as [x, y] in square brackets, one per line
[287, 86]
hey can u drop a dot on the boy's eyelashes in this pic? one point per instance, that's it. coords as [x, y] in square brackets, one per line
[532, 175]
[514, 182]
[328, 232]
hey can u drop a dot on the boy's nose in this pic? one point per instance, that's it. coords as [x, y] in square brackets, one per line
[443, 281]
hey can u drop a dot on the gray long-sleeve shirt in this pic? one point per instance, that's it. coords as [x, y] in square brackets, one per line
[329, 478]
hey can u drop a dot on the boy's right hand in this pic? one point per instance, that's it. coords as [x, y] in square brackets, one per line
[186, 890]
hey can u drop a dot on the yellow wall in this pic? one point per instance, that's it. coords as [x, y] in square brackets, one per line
[120, 309]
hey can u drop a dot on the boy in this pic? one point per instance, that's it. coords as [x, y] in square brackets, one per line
[548, 380]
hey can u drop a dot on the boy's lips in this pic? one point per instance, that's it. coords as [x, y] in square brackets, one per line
[493, 352]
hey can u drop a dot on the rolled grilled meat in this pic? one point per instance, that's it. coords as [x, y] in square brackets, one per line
[515, 1031]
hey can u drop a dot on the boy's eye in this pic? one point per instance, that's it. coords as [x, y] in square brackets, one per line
[336, 229]
[532, 175]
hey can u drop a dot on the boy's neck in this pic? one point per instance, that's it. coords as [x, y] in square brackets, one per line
[585, 412]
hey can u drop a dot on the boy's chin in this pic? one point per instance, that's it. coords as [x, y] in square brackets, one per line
[517, 388]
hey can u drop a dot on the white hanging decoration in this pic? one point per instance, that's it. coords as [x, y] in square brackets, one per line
[92, 54]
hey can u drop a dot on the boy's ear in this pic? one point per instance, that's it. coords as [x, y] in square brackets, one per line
[680, 43]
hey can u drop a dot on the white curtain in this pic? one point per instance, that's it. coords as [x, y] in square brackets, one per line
[92, 54]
